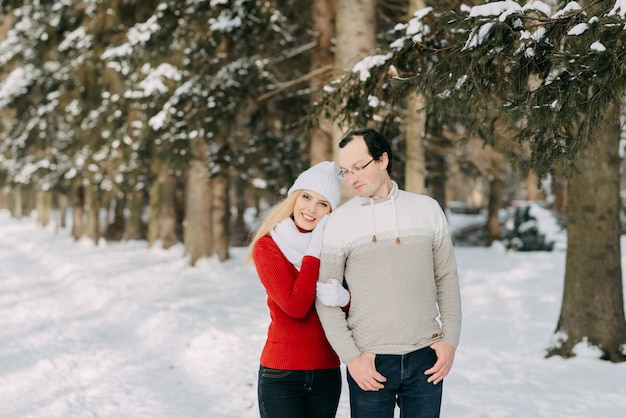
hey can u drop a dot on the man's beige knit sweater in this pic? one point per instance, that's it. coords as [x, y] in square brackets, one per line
[404, 286]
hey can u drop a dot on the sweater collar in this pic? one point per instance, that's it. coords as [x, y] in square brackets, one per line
[364, 201]
[371, 201]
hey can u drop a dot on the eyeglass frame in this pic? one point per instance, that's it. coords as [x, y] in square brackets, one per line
[343, 174]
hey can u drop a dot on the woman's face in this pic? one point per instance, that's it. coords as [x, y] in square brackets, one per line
[309, 208]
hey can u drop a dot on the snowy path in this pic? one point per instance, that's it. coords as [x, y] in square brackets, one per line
[122, 331]
[119, 330]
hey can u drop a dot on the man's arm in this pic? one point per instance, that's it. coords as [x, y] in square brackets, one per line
[334, 320]
[335, 326]
[449, 303]
[332, 266]
[447, 282]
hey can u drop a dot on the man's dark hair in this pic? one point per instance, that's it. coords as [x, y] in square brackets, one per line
[377, 145]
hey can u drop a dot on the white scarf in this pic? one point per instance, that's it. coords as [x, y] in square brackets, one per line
[291, 241]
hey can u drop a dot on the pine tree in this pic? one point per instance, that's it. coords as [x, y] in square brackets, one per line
[554, 81]
[117, 101]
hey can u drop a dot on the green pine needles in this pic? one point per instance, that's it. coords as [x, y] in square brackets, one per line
[546, 77]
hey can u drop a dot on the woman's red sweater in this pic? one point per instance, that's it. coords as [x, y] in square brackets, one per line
[295, 338]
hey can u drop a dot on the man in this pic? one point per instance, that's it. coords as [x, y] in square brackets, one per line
[393, 252]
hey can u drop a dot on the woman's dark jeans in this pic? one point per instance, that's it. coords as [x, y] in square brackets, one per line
[299, 393]
[406, 385]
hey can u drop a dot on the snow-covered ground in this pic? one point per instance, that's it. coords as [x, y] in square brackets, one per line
[120, 330]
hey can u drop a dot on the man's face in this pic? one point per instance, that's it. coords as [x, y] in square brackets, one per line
[369, 181]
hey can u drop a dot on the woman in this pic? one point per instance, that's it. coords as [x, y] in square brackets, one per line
[299, 374]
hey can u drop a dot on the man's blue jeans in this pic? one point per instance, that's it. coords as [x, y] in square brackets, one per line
[406, 384]
[299, 393]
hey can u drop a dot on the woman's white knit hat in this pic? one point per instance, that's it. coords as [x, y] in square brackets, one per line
[322, 178]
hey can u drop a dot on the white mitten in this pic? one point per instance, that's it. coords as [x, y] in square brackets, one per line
[332, 293]
[317, 238]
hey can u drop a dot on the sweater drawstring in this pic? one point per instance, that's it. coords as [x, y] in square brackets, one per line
[395, 219]
[373, 221]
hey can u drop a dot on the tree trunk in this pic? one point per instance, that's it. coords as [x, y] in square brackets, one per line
[78, 207]
[18, 202]
[559, 189]
[154, 194]
[355, 39]
[134, 224]
[5, 198]
[167, 208]
[115, 228]
[63, 202]
[47, 208]
[92, 207]
[496, 175]
[437, 178]
[532, 191]
[197, 233]
[593, 303]
[43, 203]
[28, 200]
[39, 207]
[356, 31]
[477, 194]
[494, 232]
[323, 15]
[415, 168]
[221, 216]
[241, 232]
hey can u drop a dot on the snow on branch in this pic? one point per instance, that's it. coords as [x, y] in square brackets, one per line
[363, 67]
[137, 35]
[17, 83]
[502, 9]
[619, 9]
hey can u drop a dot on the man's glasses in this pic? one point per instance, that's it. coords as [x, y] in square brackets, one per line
[355, 171]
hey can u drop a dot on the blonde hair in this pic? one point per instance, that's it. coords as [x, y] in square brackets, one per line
[281, 210]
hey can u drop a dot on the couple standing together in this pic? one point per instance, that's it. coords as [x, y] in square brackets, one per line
[374, 285]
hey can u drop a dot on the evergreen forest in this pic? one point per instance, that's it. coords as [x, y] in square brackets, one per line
[183, 121]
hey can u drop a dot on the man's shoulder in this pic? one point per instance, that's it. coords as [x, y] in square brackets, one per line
[345, 209]
[345, 217]
[422, 199]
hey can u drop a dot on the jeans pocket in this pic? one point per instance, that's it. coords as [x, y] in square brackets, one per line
[274, 373]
